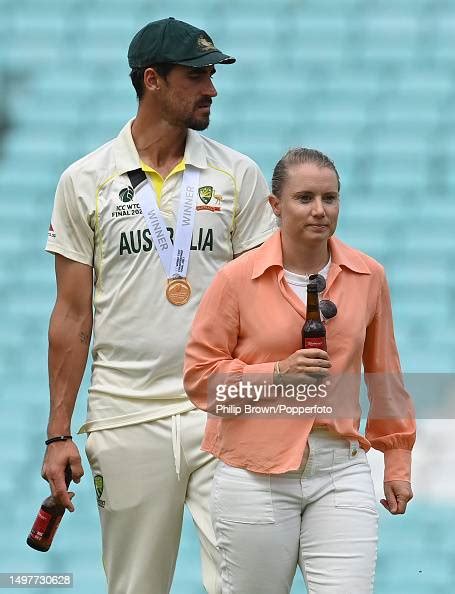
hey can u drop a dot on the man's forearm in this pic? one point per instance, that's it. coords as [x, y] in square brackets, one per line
[69, 342]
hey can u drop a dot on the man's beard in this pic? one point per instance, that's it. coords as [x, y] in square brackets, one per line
[201, 122]
[197, 123]
[177, 115]
[190, 121]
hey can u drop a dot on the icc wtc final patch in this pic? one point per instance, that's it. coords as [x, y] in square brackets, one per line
[127, 206]
[99, 488]
[206, 193]
[127, 194]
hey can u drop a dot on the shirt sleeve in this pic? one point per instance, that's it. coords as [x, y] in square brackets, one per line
[254, 220]
[71, 232]
[209, 359]
[391, 425]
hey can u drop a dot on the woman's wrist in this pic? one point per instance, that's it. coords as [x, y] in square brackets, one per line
[277, 375]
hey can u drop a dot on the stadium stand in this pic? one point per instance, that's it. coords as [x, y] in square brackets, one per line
[369, 83]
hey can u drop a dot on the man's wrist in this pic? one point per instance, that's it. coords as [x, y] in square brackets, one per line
[53, 430]
[58, 438]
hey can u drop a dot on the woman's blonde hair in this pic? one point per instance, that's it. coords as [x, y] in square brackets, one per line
[299, 156]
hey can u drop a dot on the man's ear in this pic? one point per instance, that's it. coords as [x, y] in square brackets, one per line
[152, 80]
[275, 203]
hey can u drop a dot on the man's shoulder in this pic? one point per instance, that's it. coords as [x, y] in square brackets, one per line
[94, 167]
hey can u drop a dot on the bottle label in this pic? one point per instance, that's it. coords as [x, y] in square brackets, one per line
[317, 342]
[58, 519]
[41, 524]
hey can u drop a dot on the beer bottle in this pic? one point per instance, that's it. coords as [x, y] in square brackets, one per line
[313, 332]
[47, 520]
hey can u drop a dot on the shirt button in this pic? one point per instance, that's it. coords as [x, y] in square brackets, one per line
[354, 452]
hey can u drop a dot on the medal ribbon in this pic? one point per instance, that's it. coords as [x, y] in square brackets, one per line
[174, 258]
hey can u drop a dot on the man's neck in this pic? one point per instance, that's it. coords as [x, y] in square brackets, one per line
[160, 145]
[304, 259]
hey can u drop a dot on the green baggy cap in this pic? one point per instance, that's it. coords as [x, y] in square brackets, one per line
[174, 42]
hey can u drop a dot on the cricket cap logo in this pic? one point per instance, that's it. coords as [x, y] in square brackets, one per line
[99, 485]
[205, 43]
[206, 193]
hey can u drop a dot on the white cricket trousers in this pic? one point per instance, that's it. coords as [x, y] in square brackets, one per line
[322, 518]
[142, 501]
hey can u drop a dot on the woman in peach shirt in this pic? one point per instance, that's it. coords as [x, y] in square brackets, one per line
[298, 491]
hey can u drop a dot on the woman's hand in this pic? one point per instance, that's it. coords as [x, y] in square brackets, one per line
[398, 494]
[306, 362]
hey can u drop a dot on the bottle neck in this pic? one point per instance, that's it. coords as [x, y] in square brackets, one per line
[312, 306]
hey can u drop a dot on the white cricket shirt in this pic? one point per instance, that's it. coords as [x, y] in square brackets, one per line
[139, 337]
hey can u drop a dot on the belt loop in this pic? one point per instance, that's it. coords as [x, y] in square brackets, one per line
[176, 442]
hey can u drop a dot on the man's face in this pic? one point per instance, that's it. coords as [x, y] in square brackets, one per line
[186, 96]
[309, 204]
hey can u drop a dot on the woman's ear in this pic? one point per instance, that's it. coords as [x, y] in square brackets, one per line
[275, 203]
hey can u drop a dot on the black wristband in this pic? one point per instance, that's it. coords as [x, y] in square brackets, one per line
[58, 438]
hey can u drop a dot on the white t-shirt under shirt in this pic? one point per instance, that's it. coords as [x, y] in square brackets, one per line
[299, 282]
[139, 337]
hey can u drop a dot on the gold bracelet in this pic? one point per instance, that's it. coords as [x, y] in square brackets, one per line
[277, 371]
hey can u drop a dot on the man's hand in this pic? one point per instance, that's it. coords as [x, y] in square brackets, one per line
[58, 456]
[306, 361]
[398, 494]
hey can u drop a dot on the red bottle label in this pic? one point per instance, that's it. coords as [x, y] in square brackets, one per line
[318, 342]
[58, 519]
[41, 524]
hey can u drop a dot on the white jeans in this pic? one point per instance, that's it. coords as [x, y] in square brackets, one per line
[322, 517]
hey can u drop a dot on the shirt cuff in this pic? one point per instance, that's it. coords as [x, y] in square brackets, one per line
[397, 465]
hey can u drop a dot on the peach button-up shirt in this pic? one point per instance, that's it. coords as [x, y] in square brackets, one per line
[249, 318]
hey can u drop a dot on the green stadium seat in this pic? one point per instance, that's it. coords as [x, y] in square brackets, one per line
[370, 84]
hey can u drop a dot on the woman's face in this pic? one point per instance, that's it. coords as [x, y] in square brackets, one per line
[309, 204]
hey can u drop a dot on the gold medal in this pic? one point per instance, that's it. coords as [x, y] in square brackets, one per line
[178, 291]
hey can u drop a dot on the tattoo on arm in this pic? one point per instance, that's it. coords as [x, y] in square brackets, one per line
[85, 338]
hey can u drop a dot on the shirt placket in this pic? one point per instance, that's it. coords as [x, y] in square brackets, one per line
[170, 196]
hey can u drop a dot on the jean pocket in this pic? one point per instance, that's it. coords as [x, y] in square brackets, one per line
[239, 495]
[353, 486]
